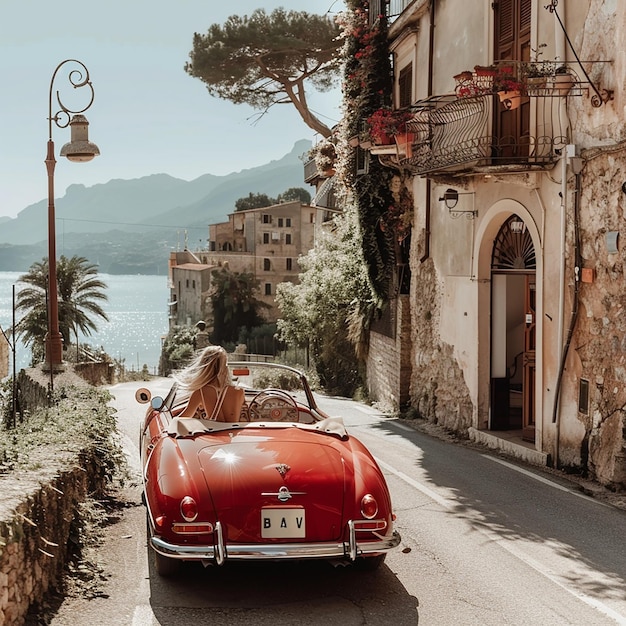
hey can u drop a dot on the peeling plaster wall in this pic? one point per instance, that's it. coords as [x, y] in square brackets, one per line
[599, 341]
[438, 389]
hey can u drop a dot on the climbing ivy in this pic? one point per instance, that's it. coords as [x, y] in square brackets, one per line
[367, 87]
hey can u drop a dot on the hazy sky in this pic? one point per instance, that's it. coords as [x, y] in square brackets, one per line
[149, 116]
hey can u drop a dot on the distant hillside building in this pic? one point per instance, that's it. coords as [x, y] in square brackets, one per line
[266, 242]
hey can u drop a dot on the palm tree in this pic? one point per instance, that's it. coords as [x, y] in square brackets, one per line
[79, 292]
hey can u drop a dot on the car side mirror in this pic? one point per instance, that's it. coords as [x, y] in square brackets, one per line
[157, 403]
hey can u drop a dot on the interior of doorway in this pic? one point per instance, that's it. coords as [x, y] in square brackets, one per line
[511, 384]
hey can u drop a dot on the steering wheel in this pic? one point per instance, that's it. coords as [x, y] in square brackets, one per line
[278, 413]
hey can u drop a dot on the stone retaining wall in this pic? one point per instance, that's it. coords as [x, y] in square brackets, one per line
[38, 514]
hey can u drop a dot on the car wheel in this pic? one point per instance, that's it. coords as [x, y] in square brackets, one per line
[369, 563]
[165, 566]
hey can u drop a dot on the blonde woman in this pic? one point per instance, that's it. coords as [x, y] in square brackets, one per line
[212, 396]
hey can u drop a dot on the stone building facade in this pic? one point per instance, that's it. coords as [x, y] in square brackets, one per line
[265, 242]
[517, 326]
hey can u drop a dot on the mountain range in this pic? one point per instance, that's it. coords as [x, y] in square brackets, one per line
[130, 226]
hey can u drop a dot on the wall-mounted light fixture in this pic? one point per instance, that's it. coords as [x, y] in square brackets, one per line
[450, 199]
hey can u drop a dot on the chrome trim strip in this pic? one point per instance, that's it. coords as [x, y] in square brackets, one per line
[220, 549]
[278, 551]
[352, 540]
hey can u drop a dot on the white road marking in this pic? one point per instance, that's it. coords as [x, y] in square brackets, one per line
[447, 504]
[511, 546]
[545, 481]
[143, 616]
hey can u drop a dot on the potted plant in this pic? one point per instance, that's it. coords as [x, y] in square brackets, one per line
[562, 80]
[470, 84]
[385, 123]
[537, 72]
[325, 156]
[483, 77]
[508, 87]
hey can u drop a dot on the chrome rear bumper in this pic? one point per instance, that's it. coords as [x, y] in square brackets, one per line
[220, 552]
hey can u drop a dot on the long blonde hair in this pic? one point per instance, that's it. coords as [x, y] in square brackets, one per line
[209, 367]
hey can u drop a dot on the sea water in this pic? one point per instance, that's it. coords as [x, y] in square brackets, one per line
[137, 312]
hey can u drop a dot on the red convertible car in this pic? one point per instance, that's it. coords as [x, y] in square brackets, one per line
[285, 481]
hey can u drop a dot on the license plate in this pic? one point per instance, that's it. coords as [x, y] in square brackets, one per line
[279, 523]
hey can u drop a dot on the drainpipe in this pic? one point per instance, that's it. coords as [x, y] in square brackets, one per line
[560, 53]
[431, 47]
[561, 314]
[577, 164]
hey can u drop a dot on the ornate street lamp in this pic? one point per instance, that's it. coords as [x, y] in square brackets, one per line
[78, 149]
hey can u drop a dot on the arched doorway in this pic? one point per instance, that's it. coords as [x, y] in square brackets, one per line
[513, 329]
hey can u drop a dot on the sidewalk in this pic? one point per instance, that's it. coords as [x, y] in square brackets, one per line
[520, 455]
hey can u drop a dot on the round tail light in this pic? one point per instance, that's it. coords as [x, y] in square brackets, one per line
[188, 509]
[369, 506]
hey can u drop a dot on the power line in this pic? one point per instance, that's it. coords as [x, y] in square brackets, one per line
[170, 226]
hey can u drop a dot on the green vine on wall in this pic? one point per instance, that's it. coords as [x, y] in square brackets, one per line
[367, 87]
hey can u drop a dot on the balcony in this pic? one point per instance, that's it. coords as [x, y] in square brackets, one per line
[458, 136]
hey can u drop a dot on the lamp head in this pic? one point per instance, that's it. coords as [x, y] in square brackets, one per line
[450, 198]
[79, 148]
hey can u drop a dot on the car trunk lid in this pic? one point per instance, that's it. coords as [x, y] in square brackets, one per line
[273, 489]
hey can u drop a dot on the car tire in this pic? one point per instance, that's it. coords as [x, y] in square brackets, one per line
[165, 566]
[369, 563]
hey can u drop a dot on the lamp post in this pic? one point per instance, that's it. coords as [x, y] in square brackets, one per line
[78, 149]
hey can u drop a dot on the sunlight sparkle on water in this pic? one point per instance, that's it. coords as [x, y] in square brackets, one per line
[137, 311]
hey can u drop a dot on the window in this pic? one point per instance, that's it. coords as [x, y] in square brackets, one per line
[583, 396]
[312, 218]
[267, 266]
[362, 162]
[405, 86]
[267, 218]
[187, 283]
[288, 222]
[288, 264]
[193, 284]
[268, 289]
[288, 238]
[266, 237]
[280, 222]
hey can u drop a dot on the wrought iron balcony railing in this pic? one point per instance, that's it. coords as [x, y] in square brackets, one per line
[390, 8]
[453, 135]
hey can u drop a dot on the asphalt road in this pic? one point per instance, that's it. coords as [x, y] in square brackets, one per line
[485, 541]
